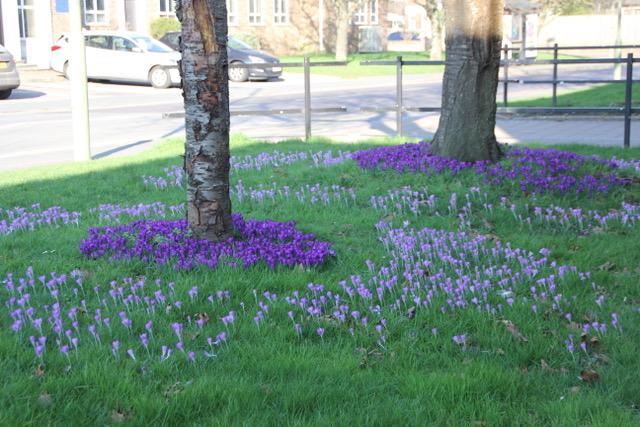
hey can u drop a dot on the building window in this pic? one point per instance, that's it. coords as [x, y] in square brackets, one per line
[26, 19]
[232, 17]
[167, 8]
[255, 12]
[366, 13]
[94, 12]
[360, 16]
[280, 11]
[373, 12]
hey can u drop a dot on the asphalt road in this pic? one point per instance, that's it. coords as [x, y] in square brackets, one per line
[35, 122]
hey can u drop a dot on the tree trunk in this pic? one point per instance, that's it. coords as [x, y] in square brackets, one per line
[205, 87]
[467, 121]
[342, 30]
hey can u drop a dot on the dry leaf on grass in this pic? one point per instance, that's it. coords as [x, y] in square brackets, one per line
[411, 313]
[607, 266]
[513, 330]
[45, 400]
[589, 375]
[118, 416]
[39, 371]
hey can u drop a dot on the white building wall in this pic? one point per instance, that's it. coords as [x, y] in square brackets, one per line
[39, 46]
[11, 27]
[587, 30]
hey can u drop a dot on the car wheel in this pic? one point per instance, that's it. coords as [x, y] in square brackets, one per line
[4, 94]
[237, 74]
[159, 78]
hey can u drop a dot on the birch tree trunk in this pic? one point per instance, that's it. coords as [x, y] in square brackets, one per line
[342, 29]
[205, 87]
[467, 121]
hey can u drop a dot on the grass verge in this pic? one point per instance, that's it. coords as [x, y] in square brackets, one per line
[267, 375]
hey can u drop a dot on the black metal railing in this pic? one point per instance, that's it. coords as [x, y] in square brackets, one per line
[626, 111]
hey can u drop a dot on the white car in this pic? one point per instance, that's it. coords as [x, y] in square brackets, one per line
[9, 78]
[122, 56]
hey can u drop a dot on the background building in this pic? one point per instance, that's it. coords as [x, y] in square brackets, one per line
[28, 28]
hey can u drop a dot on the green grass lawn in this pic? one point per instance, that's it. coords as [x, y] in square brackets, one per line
[354, 70]
[607, 95]
[268, 375]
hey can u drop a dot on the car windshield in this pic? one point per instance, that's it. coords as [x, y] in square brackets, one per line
[151, 45]
[237, 44]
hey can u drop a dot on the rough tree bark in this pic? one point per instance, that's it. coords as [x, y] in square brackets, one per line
[467, 121]
[343, 20]
[206, 101]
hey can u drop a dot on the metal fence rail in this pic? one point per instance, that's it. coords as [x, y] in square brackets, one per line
[626, 111]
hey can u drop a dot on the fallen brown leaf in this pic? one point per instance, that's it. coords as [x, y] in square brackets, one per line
[607, 266]
[39, 371]
[204, 317]
[589, 375]
[602, 358]
[118, 416]
[411, 313]
[545, 367]
[513, 330]
[45, 400]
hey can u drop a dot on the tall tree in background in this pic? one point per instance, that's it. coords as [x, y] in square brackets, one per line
[435, 13]
[467, 121]
[206, 101]
[343, 10]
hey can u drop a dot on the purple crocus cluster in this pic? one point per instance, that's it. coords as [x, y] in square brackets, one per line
[306, 194]
[531, 170]
[61, 315]
[445, 272]
[21, 218]
[174, 176]
[415, 158]
[170, 242]
[475, 205]
[116, 212]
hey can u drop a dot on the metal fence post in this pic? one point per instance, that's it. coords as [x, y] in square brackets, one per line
[399, 106]
[307, 99]
[627, 101]
[554, 96]
[505, 83]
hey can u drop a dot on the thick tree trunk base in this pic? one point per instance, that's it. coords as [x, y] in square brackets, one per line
[467, 121]
[206, 99]
[468, 116]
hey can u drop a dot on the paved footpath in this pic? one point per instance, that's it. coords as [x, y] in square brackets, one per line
[359, 126]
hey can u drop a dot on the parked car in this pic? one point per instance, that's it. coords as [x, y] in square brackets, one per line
[122, 56]
[238, 53]
[9, 78]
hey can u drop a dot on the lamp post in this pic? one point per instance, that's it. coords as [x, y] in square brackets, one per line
[77, 72]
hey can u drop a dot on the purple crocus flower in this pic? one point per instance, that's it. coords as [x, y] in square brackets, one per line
[115, 345]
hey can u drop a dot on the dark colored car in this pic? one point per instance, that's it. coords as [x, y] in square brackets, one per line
[239, 53]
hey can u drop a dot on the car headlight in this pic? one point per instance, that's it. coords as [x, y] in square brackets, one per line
[256, 59]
